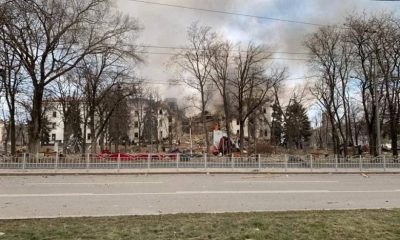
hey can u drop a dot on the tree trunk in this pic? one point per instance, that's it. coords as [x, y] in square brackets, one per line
[83, 147]
[228, 134]
[101, 137]
[12, 132]
[205, 130]
[101, 141]
[36, 121]
[372, 142]
[7, 128]
[393, 115]
[92, 132]
[241, 136]
[227, 123]
[370, 122]
[394, 131]
[10, 98]
[335, 137]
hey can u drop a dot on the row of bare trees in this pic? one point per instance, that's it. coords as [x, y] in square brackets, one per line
[243, 76]
[358, 64]
[75, 51]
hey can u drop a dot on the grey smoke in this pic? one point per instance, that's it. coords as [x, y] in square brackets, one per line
[166, 26]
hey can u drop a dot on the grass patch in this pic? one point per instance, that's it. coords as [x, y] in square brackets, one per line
[353, 224]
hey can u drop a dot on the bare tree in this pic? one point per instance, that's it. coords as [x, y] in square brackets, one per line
[67, 98]
[368, 50]
[331, 59]
[12, 79]
[221, 63]
[195, 66]
[251, 84]
[52, 37]
[364, 34]
[387, 32]
[138, 104]
[356, 120]
[99, 75]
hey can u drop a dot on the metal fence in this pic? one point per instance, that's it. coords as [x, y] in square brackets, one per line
[183, 161]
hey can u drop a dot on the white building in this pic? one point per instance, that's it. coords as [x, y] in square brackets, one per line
[165, 118]
[262, 121]
[55, 118]
[56, 123]
[166, 121]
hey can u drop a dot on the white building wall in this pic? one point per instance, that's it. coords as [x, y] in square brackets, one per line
[262, 124]
[56, 123]
[235, 128]
[163, 124]
[55, 118]
[138, 111]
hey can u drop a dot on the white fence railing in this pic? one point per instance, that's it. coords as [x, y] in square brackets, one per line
[198, 161]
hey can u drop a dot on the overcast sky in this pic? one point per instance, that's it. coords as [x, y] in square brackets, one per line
[166, 26]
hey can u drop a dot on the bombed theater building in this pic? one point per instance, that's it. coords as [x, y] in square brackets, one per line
[155, 123]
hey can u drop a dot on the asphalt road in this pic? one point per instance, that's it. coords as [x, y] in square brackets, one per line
[99, 195]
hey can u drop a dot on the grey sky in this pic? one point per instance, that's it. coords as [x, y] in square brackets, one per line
[166, 26]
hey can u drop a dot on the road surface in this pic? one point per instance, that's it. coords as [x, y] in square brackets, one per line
[102, 195]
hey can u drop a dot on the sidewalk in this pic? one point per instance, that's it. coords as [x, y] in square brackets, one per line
[7, 172]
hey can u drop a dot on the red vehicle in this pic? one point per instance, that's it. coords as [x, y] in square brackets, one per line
[106, 154]
[122, 156]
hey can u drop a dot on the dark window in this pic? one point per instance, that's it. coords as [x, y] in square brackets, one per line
[53, 125]
[266, 133]
[89, 136]
[54, 114]
[264, 110]
[160, 111]
[137, 113]
[136, 135]
[237, 131]
[53, 137]
[170, 119]
[237, 122]
[136, 124]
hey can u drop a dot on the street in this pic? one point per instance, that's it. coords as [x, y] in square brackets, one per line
[108, 195]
